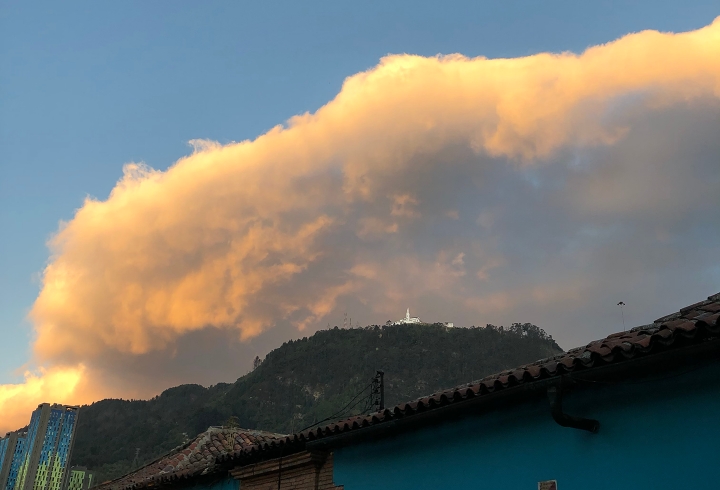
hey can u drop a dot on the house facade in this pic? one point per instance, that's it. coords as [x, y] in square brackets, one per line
[656, 431]
[209, 463]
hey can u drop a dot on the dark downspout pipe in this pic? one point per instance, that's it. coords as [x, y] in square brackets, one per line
[555, 396]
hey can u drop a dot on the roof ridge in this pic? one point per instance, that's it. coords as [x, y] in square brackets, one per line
[198, 456]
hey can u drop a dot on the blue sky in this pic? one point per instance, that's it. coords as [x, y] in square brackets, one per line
[86, 87]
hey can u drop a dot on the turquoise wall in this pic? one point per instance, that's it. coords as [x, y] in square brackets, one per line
[654, 434]
[225, 483]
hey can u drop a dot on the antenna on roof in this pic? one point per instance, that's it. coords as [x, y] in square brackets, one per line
[621, 304]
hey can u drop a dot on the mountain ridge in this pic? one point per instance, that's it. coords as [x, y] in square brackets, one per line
[301, 382]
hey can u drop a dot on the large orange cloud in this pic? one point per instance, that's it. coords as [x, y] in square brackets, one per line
[245, 235]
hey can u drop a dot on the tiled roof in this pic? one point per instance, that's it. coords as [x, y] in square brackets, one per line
[695, 324]
[195, 458]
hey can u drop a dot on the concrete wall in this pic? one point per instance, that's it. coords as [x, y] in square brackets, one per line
[656, 433]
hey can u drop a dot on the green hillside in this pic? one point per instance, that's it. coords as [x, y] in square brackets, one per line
[302, 382]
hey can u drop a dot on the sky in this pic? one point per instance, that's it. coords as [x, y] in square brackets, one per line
[185, 188]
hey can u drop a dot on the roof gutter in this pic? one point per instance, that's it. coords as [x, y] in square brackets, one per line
[554, 394]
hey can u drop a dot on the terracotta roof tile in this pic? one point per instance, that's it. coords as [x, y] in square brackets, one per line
[713, 307]
[195, 458]
[711, 320]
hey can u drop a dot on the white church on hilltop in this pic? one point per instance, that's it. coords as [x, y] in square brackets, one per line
[413, 319]
[407, 319]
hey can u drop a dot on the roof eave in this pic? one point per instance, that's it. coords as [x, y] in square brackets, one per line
[636, 367]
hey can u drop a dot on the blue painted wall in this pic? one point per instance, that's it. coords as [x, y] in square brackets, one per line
[224, 483]
[654, 434]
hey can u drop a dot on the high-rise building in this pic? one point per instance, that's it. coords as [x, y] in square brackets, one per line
[47, 447]
[80, 478]
[5, 443]
[12, 452]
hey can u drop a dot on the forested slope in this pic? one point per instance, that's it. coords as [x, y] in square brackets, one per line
[304, 381]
